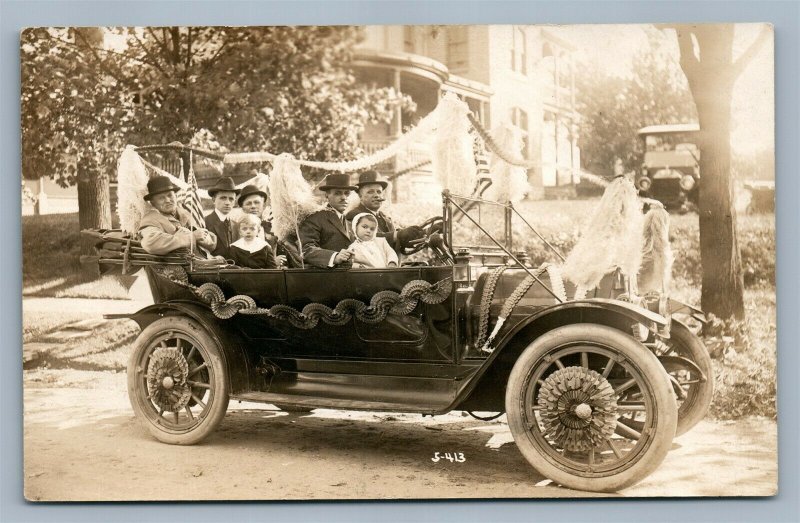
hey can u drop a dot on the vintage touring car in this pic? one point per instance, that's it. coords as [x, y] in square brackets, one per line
[594, 389]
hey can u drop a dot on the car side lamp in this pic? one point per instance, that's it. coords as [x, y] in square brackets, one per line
[461, 268]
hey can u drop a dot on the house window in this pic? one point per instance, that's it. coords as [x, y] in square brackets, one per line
[519, 119]
[457, 48]
[519, 50]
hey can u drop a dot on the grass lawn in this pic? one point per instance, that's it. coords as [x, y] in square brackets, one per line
[51, 261]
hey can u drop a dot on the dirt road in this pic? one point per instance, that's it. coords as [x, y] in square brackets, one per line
[83, 443]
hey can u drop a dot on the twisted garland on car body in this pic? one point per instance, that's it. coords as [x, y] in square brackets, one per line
[380, 305]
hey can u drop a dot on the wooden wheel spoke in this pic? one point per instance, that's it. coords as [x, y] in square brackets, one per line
[626, 431]
[632, 408]
[591, 456]
[558, 363]
[191, 353]
[189, 412]
[609, 366]
[625, 386]
[198, 400]
[197, 369]
[177, 418]
[178, 343]
[614, 448]
[199, 384]
[585, 360]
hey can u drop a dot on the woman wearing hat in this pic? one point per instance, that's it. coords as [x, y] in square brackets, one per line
[165, 227]
[324, 234]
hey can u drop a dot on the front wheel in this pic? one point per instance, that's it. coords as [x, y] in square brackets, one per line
[177, 381]
[566, 399]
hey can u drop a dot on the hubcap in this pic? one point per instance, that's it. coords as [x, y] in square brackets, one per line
[578, 408]
[167, 375]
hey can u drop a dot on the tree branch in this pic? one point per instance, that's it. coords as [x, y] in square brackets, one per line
[744, 60]
[153, 59]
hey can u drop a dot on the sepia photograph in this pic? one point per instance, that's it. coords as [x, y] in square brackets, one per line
[389, 262]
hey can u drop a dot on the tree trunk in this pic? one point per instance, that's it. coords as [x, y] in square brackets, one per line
[711, 81]
[94, 211]
[722, 284]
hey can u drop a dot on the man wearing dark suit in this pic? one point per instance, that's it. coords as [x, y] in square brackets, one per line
[371, 190]
[325, 234]
[223, 194]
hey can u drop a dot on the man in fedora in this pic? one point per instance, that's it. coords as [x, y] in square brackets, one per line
[165, 226]
[371, 193]
[223, 194]
[325, 234]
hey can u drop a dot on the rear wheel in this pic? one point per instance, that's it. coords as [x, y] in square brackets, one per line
[177, 381]
[566, 399]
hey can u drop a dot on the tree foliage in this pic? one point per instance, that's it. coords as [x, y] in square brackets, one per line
[614, 108]
[281, 89]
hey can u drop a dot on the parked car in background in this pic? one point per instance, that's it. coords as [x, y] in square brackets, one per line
[671, 169]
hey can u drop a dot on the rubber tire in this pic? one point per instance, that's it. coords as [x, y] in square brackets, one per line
[692, 348]
[292, 408]
[651, 370]
[140, 404]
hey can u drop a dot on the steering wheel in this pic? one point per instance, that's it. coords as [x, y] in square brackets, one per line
[428, 229]
[433, 239]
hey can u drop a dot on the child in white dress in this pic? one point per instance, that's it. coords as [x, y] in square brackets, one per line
[370, 250]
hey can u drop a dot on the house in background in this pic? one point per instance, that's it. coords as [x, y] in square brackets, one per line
[517, 74]
[50, 198]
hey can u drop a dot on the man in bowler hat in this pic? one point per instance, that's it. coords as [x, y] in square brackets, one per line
[325, 234]
[223, 194]
[165, 226]
[371, 193]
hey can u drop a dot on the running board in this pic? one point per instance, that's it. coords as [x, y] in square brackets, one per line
[333, 403]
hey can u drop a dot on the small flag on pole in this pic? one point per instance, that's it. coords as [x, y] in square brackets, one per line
[191, 201]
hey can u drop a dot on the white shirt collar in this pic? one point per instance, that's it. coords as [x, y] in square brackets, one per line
[222, 217]
[256, 245]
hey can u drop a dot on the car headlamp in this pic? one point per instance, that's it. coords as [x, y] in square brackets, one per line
[643, 183]
[687, 182]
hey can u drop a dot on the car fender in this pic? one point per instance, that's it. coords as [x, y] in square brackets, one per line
[613, 313]
[228, 339]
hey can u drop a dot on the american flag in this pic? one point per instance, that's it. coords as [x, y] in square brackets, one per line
[191, 201]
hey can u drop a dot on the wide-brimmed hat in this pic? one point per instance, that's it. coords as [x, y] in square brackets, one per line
[337, 181]
[368, 177]
[223, 184]
[250, 190]
[159, 184]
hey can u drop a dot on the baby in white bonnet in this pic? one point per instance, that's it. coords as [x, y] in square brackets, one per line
[370, 250]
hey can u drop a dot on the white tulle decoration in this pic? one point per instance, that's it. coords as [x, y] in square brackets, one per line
[453, 159]
[291, 196]
[132, 180]
[509, 182]
[657, 258]
[612, 238]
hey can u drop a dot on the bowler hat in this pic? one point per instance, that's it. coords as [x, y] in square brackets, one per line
[223, 184]
[368, 177]
[337, 181]
[159, 184]
[250, 190]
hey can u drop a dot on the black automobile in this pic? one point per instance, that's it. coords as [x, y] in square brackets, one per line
[671, 169]
[594, 389]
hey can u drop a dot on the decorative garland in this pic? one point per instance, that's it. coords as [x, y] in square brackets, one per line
[425, 126]
[486, 301]
[496, 149]
[380, 305]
